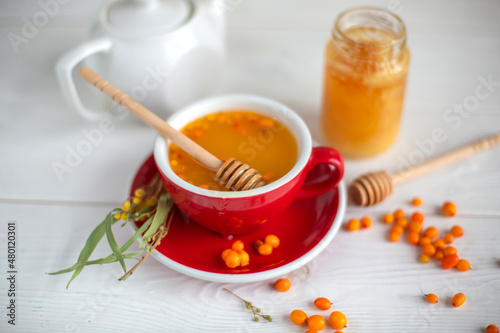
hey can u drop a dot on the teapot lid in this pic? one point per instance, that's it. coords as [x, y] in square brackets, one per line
[142, 18]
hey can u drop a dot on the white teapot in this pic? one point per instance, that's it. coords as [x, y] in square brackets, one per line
[163, 53]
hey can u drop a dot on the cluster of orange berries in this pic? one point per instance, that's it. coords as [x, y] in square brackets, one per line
[432, 247]
[316, 323]
[266, 247]
[456, 301]
[236, 256]
[355, 224]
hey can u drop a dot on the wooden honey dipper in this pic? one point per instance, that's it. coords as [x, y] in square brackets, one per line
[231, 174]
[373, 187]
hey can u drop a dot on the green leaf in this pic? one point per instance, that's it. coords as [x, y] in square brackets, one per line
[90, 245]
[137, 233]
[112, 241]
[164, 206]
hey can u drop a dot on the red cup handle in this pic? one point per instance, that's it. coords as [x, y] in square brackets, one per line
[323, 155]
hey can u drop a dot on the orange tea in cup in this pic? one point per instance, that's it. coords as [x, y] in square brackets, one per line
[255, 139]
[366, 67]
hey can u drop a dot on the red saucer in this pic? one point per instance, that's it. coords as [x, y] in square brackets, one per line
[304, 230]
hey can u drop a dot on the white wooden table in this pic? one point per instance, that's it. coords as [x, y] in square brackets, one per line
[275, 50]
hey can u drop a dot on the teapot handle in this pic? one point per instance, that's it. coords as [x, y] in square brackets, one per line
[64, 70]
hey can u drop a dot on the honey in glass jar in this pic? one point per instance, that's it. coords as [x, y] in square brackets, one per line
[365, 74]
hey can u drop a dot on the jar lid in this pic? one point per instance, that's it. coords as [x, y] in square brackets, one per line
[148, 17]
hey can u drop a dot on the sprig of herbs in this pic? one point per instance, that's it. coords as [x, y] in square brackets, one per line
[151, 206]
[255, 310]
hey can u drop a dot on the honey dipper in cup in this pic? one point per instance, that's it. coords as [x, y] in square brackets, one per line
[373, 187]
[231, 174]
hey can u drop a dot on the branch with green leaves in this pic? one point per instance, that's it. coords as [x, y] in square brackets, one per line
[151, 206]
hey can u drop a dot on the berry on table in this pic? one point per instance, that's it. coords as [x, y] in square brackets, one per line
[353, 225]
[338, 320]
[424, 258]
[449, 261]
[413, 237]
[458, 300]
[417, 217]
[316, 322]
[449, 250]
[463, 265]
[399, 214]
[429, 250]
[431, 232]
[298, 317]
[366, 222]
[322, 303]
[393, 237]
[431, 298]
[388, 218]
[491, 329]
[417, 201]
[397, 230]
[449, 209]
[457, 231]
[448, 238]
[283, 285]
[415, 226]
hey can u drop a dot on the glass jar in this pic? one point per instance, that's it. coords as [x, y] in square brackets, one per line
[365, 74]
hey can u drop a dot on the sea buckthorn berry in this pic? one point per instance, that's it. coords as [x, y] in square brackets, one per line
[316, 322]
[424, 241]
[424, 258]
[225, 253]
[338, 320]
[417, 217]
[491, 329]
[338, 332]
[439, 243]
[393, 237]
[311, 331]
[265, 249]
[448, 238]
[431, 298]
[449, 209]
[233, 260]
[258, 243]
[417, 201]
[366, 222]
[429, 250]
[449, 261]
[439, 255]
[238, 246]
[298, 317]
[388, 218]
[449, 250]
[463, 265]
[431, 232]
[415, 226]
[353, 225]
[413, 238]
[283, 285]
[402, 222]
[397, 230]
[322, 303]
[458, 300]
[457, 231]
[272, 240]
[399, 214]
[245, 258]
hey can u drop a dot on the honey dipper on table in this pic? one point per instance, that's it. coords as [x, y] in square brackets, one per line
[373, 187]
[231, 174]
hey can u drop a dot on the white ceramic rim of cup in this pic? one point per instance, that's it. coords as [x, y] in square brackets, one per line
[254, 103]
[271, 273]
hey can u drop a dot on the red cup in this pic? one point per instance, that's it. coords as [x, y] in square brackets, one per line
[231, 213]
